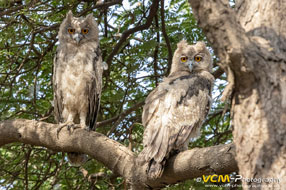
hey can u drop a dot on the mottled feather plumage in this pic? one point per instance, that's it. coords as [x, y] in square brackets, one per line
[175, 110]
[77, 75]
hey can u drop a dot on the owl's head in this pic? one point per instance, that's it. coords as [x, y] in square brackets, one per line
[78, 31]
[191, 58]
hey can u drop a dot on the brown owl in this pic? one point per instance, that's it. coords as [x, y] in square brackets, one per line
[175, 110]
[77, 76]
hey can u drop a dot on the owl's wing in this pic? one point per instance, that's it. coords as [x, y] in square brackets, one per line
[94, 91]
[155, 139]
[58, 98]
[171, 115]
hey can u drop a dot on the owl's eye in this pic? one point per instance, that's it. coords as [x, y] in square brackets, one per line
[184, 59]
[198, 58]
[71, 30]
[84, 31]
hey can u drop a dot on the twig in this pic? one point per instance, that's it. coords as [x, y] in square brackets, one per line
[155, 65]
[28, 154]
[166, 38]
[124, 113]
[218, 73]
[127, 33]
[120, 117]
[14, 9]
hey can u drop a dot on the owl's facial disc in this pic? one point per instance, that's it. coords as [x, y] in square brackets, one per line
[77, 37]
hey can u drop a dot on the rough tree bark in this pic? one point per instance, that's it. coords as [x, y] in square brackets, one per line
[118, 158]
[250, 39]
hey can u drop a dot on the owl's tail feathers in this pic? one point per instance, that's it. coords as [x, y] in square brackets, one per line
[77, 159]
[155, 169]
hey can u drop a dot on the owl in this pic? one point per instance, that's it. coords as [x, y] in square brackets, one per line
[175, 110]
[77, 74]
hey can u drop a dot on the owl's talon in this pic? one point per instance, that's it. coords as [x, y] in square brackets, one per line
[87, 128]
[69, 125]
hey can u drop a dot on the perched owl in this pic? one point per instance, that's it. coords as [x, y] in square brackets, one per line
[175, 110]
[77, 75]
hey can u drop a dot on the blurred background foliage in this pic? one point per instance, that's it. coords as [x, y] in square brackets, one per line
[138, 60]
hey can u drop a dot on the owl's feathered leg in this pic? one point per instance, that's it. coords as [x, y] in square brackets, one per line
[75, 158]
[82, 118]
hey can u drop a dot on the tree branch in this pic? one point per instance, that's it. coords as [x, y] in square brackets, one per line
[218, 73]
[127, 33]
[196, 162]
[170, 56]
[101, 5]
[121, 116]
[186, 165]
[45, 134]
[223, 31]
[107, 4]
[17, 8]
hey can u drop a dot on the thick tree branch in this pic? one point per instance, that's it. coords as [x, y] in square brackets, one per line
[228, 38]
[112, 154]
[186, 165]
[195, 163]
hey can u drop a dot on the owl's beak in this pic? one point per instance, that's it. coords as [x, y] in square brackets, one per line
[77, 37]
[190, 65]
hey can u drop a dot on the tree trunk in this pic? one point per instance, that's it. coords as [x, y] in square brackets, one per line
[260, 118]
[251, 41]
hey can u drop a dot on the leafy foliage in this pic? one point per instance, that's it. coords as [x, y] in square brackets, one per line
[28, 31]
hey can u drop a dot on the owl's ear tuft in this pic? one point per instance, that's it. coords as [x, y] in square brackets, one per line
[182, 44]
[200, 46]
[89, 17]
[69, 15]
[90, 20]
